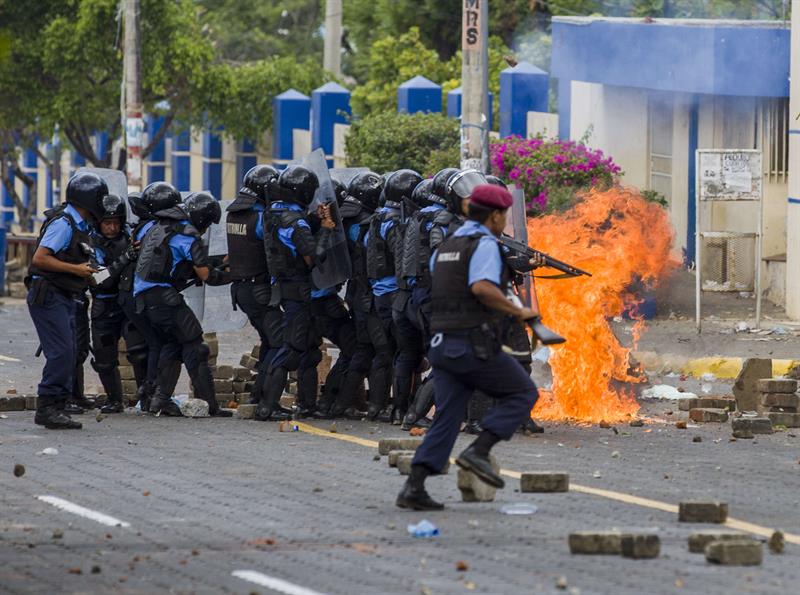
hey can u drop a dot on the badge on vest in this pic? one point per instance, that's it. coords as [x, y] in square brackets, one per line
[237, 229]
[448, 257]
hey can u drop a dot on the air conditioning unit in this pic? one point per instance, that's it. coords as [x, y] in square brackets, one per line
[728, 261]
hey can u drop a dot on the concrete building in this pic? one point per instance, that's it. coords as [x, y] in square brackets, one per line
[651, 92]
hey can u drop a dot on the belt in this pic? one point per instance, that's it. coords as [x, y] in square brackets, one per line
[262, 278]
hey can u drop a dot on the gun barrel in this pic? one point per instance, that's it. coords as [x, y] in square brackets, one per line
[551, 262]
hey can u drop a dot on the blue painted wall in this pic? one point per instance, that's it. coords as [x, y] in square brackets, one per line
[330, 104]
[182, 161]
[454, 98]
[523, 88]
[291, 109]
[419, 95]
[212, 163]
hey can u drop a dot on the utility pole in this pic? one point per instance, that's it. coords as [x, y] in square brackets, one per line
[475, 85]
[332, 60]
[793, 204]
[133, 125]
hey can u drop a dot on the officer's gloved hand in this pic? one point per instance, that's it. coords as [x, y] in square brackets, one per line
[218, 277]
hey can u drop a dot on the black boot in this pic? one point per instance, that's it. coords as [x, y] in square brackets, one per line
[72, 408]
[112, 383]
[380, 384]
[271, 392]
[423, 401]
[161, 400]
[144, 394]
[52, 418]
[473, 427]
[402, 396]
[203, 382]
[161, 404]
[531, 427]
[476, 459]
[413, 495]
[306, 392]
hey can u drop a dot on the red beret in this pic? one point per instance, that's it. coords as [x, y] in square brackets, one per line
[491, 196]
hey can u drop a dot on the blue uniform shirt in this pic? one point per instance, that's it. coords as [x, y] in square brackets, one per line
[320, 293]
[485, 264]
[389, 283]
[180, 245]
[434, 208]
[100, 257]
[58, 234]
[260, 222]
[285, 233]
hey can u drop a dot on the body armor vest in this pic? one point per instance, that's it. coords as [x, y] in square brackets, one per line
[126, 276]
[445, 223]
[416, 251]
[359, 292]
[453, 306]
[380, 258]
[112, 250]
[246, 255]
[78, 251]
[155, 256]
[282, 263]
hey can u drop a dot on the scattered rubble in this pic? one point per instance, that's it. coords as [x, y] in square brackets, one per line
[19, 470]
[544, 481]
[472, 488]
[666, 392]
[745, 387]
[194, 408]
[747, 427]
[776, 542]
[388, 444]
[708, 415]
[741, 552]
[595, 542]
[702, 512]
[699, 541]
[640, 546]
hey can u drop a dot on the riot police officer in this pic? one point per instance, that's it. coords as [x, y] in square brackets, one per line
[383, 242]
[172, 256]
[451, 217]
[291, 254]
[469, 302]
[113, 251]
[247, 258]
[59, 273]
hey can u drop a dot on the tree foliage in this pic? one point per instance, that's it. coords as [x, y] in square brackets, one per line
[388, 141]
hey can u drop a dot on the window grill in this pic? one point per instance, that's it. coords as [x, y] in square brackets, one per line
[773, 137]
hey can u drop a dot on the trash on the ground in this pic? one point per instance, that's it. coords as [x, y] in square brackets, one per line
[697, 438]
[100, 417]
[3, 416]
[19, 470]
[58, 533]
[424, 528]
[708, 377]
[615, 454]
[95, 569]
[597, 475]
[75, 571]
[417, 432]
[666, 392]
[681, 425]
[333, 429]
[561, 582]
[49, 451]
[741, 327]
[636, 423]
[295, 428]
[519, 508]
[706, 388]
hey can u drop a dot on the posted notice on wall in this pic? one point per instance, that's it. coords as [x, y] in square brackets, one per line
[726, 174]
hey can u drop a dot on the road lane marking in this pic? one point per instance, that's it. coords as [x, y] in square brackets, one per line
[271, 582]
[599, 492]
[86, 513]
[5, 358]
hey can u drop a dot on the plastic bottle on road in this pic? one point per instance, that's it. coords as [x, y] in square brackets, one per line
[424, 528]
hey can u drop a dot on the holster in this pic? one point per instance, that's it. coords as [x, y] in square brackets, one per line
[484, 341]
[38, 288]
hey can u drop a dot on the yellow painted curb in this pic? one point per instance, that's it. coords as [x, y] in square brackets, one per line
[719, 366]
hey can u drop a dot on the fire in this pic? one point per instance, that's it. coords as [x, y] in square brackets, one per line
[617, 236]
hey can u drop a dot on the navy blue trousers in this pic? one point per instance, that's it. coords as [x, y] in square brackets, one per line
[457, 375]
[55, 324]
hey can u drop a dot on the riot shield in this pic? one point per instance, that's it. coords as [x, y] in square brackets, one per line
[117, 184]
[346, 174]
[519, 231]
[335, 268]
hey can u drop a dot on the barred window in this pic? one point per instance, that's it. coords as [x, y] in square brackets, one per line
[772, 134]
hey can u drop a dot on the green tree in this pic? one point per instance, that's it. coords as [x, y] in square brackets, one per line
[388, 141]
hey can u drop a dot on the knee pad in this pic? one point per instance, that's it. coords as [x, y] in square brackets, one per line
[312, 358]
[293, 358]
[203, 351]
[103, 366]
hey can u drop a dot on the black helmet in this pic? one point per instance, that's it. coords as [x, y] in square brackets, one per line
[339, 189]
[422, 195]
[440, 181]
[87, 190]
[138, 207]
[202, 210]
[160, 196]
[298, 184]
[460, 186]
[495, 181]
[114, 207]
[366, 188]
[400, 185]
[258, 180]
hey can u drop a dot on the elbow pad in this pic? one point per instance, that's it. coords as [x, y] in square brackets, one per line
[199, 254]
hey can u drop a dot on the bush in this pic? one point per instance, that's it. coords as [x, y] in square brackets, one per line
[389, 141]
[550, 170]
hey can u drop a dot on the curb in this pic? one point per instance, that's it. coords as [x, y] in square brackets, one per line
[719, 366]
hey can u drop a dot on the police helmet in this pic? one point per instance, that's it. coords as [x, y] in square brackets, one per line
[366, 188]
[495, 181]
[114, 208]
[339, 189]
[440, 181]
[400, 185]
[298, 184]
[258, 180]
[202, 210]
[138, 207]
[460, 186]
[87, 190]
[160, 196]
[423, 194]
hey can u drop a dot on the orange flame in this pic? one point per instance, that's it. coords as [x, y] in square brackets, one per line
[618, 237]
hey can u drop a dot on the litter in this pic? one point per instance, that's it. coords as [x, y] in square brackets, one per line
[520, 508]
[424, 529]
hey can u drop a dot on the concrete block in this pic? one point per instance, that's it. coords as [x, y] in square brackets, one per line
[473, 489]
[388, 444]
[782, 400]
[640, 546]
[194, 408]
[708, 415]
[248, 362]
[698, 541]
[242, 374]
[223, 386]
[743, 433]
[727, 403]
[745, 387]
[246, 411]
[213, 350]
[256, 351]
[224, 398]
[129, 387]
[12, 403]
[126, 373]
[594, 542]
[223, 372]
[239, 386]
[248, 386]
[702, 512]
[544, 481]
[741, 552]
[755, 425]
[395, 454]
[789, 420]
[777, 385]
[241, 398]
[404, 465]
[31, 402]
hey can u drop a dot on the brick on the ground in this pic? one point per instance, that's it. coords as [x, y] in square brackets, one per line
[745, 387]
[742, 552]
[702, 512]
[396, 454]
[31, 401]
[698, 541]
[246, 411]
[211, 340]
[404, 465]
[241, 374]
[640, 546]
[787, 401]
[472, 488]
[12, 403]
[753, 425]
[224, 398]
[777, 385]
[129, 387]
[241, 398]
[788, 420]
[388, 444]
[544, 481]
[595, 542]
[223, 372]
[248, 362]
[708, 415]
[256, 351]
[727, 403]
[126, 373]
[238, 386]
[223, 386]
